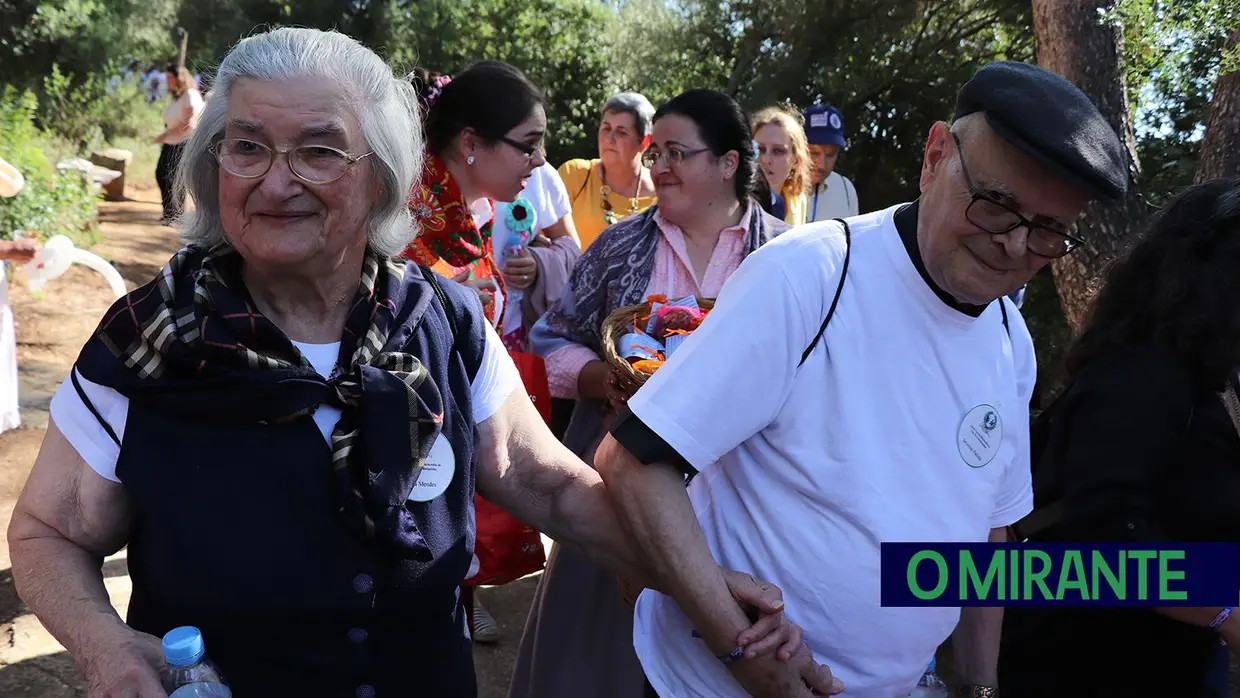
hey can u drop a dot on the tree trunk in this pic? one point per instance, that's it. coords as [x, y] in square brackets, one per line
[1220, 151]
[1076, 41]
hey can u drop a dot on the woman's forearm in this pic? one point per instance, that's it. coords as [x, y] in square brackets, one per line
[62, 584]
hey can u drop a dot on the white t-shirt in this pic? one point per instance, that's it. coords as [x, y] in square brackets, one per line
[497, 377]
[186, 108]
[546, 193]
[835, 198]
[860, 445]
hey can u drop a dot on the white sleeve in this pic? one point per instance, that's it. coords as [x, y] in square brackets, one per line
[497, 377]
[83, 430]
[749, 345]
[555, 197]
[1015, 496]
[854, 204]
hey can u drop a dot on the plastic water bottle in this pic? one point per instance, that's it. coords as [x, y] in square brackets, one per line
[930, 685]
[190, 674]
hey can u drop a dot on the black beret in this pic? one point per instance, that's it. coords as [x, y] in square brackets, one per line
[1052, 121]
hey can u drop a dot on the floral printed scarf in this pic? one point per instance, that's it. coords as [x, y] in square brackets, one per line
[449, 241]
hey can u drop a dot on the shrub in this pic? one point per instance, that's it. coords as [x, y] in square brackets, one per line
[51, 203]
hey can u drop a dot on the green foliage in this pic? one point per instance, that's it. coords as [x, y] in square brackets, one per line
[1173, 54]
[893, 67]
[560, 44]
[50, 203]
[82, 36]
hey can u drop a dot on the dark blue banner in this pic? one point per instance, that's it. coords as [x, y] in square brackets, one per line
[1060, 574]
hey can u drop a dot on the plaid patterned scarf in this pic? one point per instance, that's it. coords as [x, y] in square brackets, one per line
[193, 341]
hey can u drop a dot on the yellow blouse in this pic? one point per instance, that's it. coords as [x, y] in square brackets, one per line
[585, 191]
[797, 210]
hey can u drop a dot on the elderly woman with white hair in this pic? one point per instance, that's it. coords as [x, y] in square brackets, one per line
[286, 426]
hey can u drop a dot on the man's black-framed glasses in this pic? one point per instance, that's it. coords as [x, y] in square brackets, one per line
[997, 218]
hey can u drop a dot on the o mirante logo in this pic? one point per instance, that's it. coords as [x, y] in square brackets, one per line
[1060, 574]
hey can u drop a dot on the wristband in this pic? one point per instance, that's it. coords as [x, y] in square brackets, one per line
[733, 656]
[1220, 618]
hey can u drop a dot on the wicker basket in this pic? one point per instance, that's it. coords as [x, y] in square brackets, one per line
[619, 324]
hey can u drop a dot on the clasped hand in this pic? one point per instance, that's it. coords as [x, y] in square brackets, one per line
[776, 664]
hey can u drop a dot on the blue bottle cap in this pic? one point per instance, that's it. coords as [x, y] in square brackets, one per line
[183, 646]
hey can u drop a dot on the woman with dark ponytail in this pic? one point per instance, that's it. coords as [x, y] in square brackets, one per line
[484, 139]
[578, 640]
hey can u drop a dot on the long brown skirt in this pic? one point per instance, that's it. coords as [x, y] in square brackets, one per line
[578, 639]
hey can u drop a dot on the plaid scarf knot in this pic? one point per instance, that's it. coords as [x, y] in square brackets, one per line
[192, 340]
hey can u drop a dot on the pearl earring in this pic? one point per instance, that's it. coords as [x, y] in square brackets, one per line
[469, 160]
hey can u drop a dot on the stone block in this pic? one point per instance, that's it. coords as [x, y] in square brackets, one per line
[116, 160]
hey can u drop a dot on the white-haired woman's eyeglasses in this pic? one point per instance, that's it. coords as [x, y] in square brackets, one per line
[313, 164]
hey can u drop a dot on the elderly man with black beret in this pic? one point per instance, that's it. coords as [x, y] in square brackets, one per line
[860, 382]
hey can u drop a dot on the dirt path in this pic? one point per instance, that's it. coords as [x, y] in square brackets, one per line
[50, 331]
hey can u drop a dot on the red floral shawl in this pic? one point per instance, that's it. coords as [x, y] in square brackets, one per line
[448, 240]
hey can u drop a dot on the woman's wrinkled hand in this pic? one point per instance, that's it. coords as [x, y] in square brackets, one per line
[126, 666]
[771, 633]
[485, 288]
[521, 271]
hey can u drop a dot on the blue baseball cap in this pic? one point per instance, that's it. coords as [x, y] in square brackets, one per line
[824, 125]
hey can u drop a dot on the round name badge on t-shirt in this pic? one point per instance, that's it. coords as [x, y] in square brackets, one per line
[979, 436]
[436, 473]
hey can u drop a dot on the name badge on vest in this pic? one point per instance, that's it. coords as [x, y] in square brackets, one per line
[436, 473]
[979, 436]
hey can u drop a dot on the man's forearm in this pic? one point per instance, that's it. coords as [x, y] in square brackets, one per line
[63, 586]
[976, 645]
[976, 638]
[653, 506]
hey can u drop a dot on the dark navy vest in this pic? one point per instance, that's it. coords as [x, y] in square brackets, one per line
[237, 533]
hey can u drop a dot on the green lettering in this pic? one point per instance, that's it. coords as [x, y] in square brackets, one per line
[1099, 564]
[1014, 576]
[914, 587]
[1143, 558]
[969, 575]
[1166, 575]
[1072, 563]
[1037, 577]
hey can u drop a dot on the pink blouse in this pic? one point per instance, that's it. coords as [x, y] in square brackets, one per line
[672, 276]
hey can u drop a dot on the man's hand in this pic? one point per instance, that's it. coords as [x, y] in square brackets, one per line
[126, 665]
[19, 251]
[521, 271]
[800, 677]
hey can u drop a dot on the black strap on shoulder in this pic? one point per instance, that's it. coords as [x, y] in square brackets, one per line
[834, 301]
[1003, 309]
[91, 406]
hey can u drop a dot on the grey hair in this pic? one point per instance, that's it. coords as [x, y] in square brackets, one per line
[385, 108]
[635, 104]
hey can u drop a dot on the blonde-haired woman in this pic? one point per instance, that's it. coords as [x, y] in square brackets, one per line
[783, 154]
